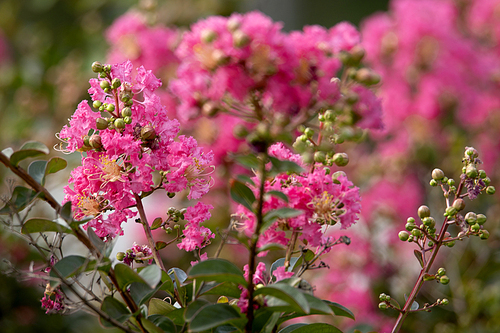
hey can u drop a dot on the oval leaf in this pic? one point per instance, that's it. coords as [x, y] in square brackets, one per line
[278, 194]
[29, 149]
[21, 197]
[126, 275]
[248, 161]
[151, 274]
[55, 164]
[164, 323]
[37, 170]
[115, 309]
[67, 267]
[159, 307]
[156, 223]
[339, 310]
[41, 225]
[212, 316]
[293, 296]
[242, 194]
[193, 309]
[218, 270]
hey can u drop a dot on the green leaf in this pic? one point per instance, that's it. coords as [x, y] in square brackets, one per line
[293, 296]
[156, 223]
[281, 213]
[292, 327]
[42, 225]
[313, 328]
[177, 316]
[245, 179]
[67, 267]
[418, 255]
[280, 166]
[177, 274]
[141, 292]
[226, 329]
[36, 170]
[193, 309]
[29, 149]
[242, 194]
[160, 245]
[339, 310]
[278, 194]
[265, 321]
[126, 275]
[318, 306]
[96, 240]
[414, 306]
[164, 323]
[213, 315]
[227, 289]
[55, 164]
[159, 307]
[218, 270]
[248, 161]
[150, 326]
[115, 309]
[151, 274]
[21, 197]
[66, 212]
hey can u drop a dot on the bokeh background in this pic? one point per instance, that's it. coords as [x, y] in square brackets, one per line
[440, 93]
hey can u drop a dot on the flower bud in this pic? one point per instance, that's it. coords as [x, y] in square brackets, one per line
[490, 190]
[97, 67]
[336, 175]
[433, 182]
[481, 219]
[119, 123]
[441, 271]
[424, 211]
[484, 234]
[96, 104]
[416, 232]
[104, 84]
[101, 123]
[450, 244]
[444, 279]
[471, 152]
[459, 204]
[240, 39]
[410, 226]
[366, 76]
[95, 142]
[487, 181]
[444, 301]
[319, 156]
[410, 220]
[475, 227]
[341, 159]
[148, 133]
[437, 174]
[127, 120]
[382, 305]
[470, 218]
[210, 109]
[86, 142]
[429, 222]
[451, 182]
[482, 174]
[208, 35]
[471, 171]
[309, 132]
[451, 211]
[115, 83]
[403, 235]
[110, 107]
[357, 53]
[120, 256]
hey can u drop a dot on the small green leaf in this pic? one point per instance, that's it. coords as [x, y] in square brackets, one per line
[293, 296]
[164, 323]
[418, 255]
[42, 225]
[36, 169]
[281, 213]
[21, 197]
[141, 292]
[55, 164]
[66, 213]
[126, 275]
[177, 274]
[67, 267]
[151, 274]
[96, 240]
[29, 149]
[278, 194]
[156, 223]
[160, 245]
[221, 289]
[242, 194]
[226, 329]
[218, 270]
[339, 310]
[159, 307]
[213, 315]
[193, 309]
[115, 309]
[313, 328]
[248, 161]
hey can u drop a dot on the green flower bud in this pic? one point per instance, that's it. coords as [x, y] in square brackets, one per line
[433, 182]
[470, 218]
[120, 256]
[410, 226]
[127, 120]
[110, 107]
[309, 132]
[382, 297]
[490, 190]
[444, 180]
[429, 222]
[329, 115]
[444, 301]
[382, 305]
[119, 123]
[410, 220]
[97, 67]
[471, 152]
[437, 174]
[450, 244]
[367, 77]
[481, 218]
[168, 230]
[471, 171]
[475, 227]
[487, 181]
[96, 104]
[444, 279]
[336, 176]
[177, 226]
[416, 232]
[101, 123]
[240, 39]
[319, 157]
[208, 35]
[451, 211]
[95, 142]
[104, 84]
[441, 271]
[451, 182]
[484, 234]
[86, 141]
[321, 118]
[459, 204]
[424, 211]
[115, 83]
[341, 159]
[403, 235]
[482, 174]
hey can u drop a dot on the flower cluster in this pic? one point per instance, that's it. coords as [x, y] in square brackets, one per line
[124, 137]
[196, 236]
[137, 253]
[323, 200]
[52, 301]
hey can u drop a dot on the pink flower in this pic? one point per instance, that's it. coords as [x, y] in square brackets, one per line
[196, 236]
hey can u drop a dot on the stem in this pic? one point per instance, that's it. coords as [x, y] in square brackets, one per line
[254, 240]
[149, 234]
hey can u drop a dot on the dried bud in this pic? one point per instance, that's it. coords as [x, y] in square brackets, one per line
[148, 133]
[95, 142]
[424, 211]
